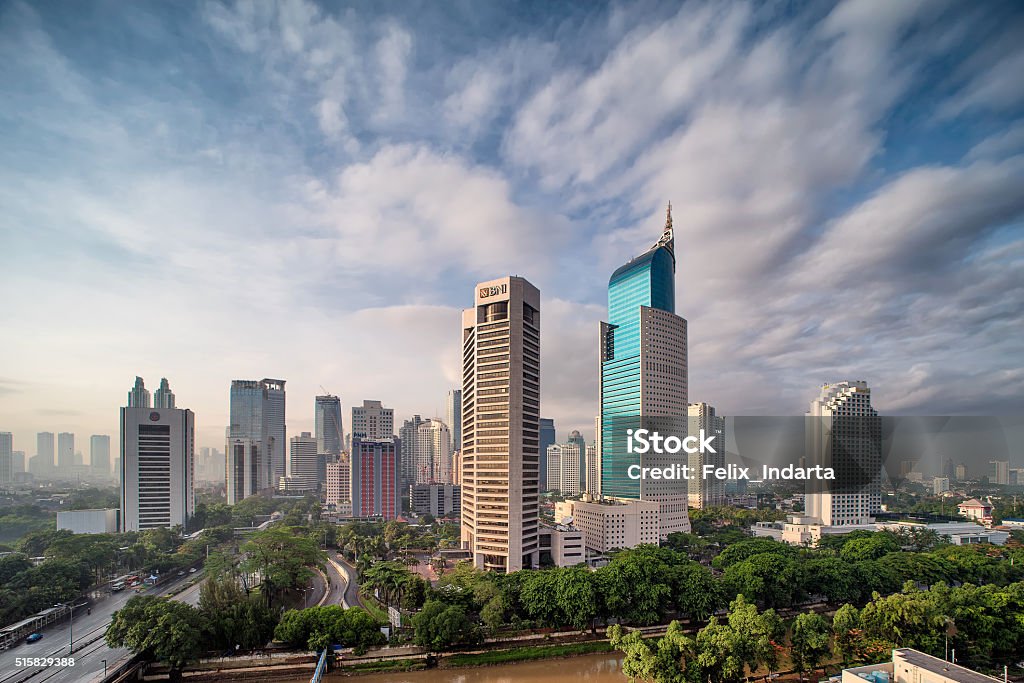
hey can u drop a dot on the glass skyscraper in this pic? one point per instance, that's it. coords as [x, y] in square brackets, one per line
[328, 425]
[643, 358]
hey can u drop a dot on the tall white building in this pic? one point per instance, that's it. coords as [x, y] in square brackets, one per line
[373, 421]
[844, 432]
[255, 448]
[163, 397]
[6, 458]
[564, 468]
[431, 453]
[1000, 472]
[45, 450]
[339, 485]
[453, 416]
[138, 397]
[99, 454]
[408, 435]
[501, 425]
[706, 492]
[593, 467]
[157, 467]
[303, 464]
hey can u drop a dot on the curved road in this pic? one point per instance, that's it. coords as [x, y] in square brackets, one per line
[343, 574]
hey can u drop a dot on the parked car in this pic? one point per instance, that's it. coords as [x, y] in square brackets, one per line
[34, 637]
[181, 573]
[192, 570]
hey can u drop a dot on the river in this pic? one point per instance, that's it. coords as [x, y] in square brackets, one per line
[599, 668]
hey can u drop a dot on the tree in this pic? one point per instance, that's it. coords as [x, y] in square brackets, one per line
[319, 627]
[635, 584]
[810, 641]
[493, 614]
[695, 591]
[869, 547]
[576, 596]
[769, 578]
[233, 617]
[439, 626]
[166, 630]
[847, 634]
[281, 558]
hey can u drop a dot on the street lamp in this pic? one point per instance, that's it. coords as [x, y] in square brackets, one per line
[71, 625]
[304, 590]
[104, 668]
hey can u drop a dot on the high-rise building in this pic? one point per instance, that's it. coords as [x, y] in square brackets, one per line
[256, 437]
[6, 458]
[643, 380]
[1000, 472]
[329, 426]
[375, 473]
[940, 485]
[99, 454]
[163, 397]
[594, 482]
[303, 465]
[547, 438]
[961, 472]
[563, 464]
[706, 491]
[581, 444]
[453, 416]
[157, 467]
[408, 434]
[430, 452]
[18, 461]
[65, 452]
[438, 500]
[844, 433]
[501, 425]
[339, 485]
[372, 421]
[590, 461]
[45, 451]
[138, 397]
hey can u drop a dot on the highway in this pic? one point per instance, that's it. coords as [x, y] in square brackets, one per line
[90, 650]
[339, 583]
[345, 570]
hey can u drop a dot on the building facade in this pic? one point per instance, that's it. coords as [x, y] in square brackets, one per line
[138, 396]
[612, 523]
[303, 464]
[373, 421]
[103, 521]
[453, 416]
[501, 425]
[330, 430]
[157, 467]
[563, 462]
[375, 477]
[706, 492]
[163, 397]
[255, 438]
[6, 458]
[339, 485]
[438, 500]
[65, 452]
[408, 434]
[547, 438]
[99, 454]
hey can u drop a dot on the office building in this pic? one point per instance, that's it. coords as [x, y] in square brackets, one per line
[375, 474]
[408, 434]
[255, 438]
[65, 452]
[1000, 472]
[844, 433]
[157, 467]
[501, 424]
[912, 666]
[339, 485]
[372, 421]
[328, 425]
[103, 521]
[594, 482]
[561, 545]
[138, 397]
[710, 491]
[563, 463]
[303, 469]
[99, 454]
[44, 459]
[437, 500]
[581, 444]
[547, 438]
[592, 465]
[453, 416]
[6, 458]
[429, 451]
[612, 523]
[457, 467]
[643, 367]
[940, 485]
[18, 462]
[961, 472]
[163, 397]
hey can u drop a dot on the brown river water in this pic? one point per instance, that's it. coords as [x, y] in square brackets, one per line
[599, 668]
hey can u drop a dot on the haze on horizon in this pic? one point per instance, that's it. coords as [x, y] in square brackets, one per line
[216, 191]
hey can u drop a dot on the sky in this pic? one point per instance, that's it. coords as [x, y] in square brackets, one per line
[216, 191]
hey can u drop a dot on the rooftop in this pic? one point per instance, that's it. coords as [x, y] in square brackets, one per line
[946, 669]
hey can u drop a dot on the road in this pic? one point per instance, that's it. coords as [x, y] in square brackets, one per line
[346, 570]
[90, 650]
[339, 584]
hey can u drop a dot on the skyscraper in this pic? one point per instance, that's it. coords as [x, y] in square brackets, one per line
[453, 416]
[303, 466]
[99, 454]
[563, 463]
[156, 467]
[255, 438]
[844, 432]
[373, 421]
[65, 452]
[501, 425]
[430, 453]
[375, 470]
[706, 492]
[164, 397]
[6, 457]
[577, 439]
[44, 452]
[138, 397]
[408, 435]
[1000, 472]
[643, 381]
[328, 424]
[547, 438]
[339, 485]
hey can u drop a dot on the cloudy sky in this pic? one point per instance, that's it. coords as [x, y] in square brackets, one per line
[239, 190]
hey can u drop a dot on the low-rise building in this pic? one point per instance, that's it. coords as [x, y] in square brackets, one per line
[613, 522]
[101, 521]
[807, 531]
[975, 509]
[912, 666]
[562, 543]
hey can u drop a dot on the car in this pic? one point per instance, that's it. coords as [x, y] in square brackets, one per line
[192, 570]
[34, 637]
[181, 573]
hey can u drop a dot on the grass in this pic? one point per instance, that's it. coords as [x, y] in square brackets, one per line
[391, 665]
[525, 654]
[371, 605]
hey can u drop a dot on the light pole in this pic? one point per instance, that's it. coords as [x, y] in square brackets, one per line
[104, 668]
[71, 626]
[304, 601]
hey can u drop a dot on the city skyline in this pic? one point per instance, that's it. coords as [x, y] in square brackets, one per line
[840, 209]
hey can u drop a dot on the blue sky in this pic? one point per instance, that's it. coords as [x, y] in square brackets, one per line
[217, 190]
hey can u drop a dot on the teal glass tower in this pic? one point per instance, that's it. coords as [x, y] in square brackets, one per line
[643, 358]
